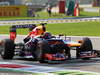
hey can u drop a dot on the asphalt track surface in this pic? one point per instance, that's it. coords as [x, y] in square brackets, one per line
[92, 65]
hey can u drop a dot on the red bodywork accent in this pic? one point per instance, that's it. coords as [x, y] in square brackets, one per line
[13, 35]
[32, 33]
[52, 57]
[13, 66]
[49, 56]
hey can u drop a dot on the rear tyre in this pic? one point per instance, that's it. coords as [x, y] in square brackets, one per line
[8, 47]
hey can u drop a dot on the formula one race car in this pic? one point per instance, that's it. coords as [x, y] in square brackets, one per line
[44, 47]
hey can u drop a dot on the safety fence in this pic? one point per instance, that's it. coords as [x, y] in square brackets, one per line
[13, 10]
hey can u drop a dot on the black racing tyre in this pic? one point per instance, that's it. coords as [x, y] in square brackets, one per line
[39, 48]
[8, 47]
[98, 53]
[61, 48]
[85, 58]
[44, 48]
[52, 49]
[33, 49]
[34, 52]
[86, 45]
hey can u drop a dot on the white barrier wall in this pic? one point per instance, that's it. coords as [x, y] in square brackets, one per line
[92, 9]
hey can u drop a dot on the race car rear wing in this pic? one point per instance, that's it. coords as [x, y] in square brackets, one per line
[14, 28]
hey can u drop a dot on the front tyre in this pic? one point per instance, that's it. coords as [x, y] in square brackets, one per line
[86, 45]
[7, 51]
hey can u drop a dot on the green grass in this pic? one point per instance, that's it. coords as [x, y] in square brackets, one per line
[84, 14]
[73, 73]
[78, 29]
[73, 29]
[67, 72]
[17, 72]
[44, 15]
[5, 30]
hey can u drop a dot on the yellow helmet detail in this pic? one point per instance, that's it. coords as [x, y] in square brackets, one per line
[39, 30]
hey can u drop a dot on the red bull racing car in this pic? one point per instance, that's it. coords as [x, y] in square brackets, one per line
[42, 46]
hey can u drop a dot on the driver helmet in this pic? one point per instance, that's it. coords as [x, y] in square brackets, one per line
[39, 30]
